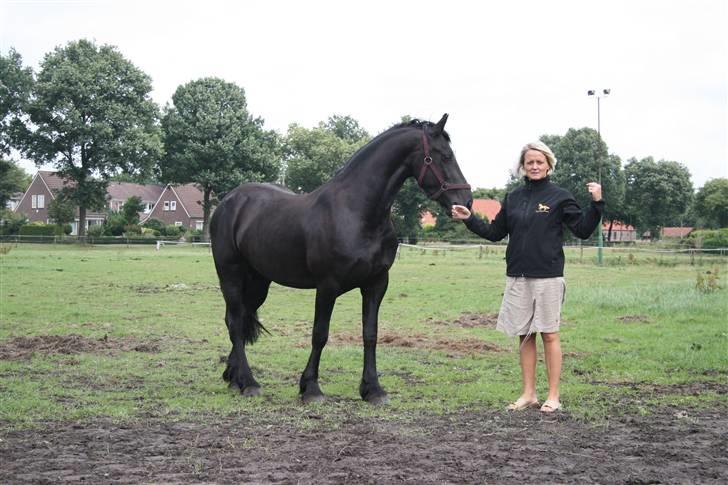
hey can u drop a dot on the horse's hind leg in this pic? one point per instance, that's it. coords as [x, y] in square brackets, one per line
[244, 292]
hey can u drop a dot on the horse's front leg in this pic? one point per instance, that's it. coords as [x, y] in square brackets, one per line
[372, 295]
[309, 387]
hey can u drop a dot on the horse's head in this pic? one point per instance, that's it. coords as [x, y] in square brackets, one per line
[436, 170]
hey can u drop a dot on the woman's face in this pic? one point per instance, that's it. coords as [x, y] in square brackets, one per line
[535, 165]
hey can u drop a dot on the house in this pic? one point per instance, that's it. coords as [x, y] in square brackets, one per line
[42, 190]
[483, 207]
[120, 192]
[616, 231]
[180, 205]
[181, 201]
[675, 232]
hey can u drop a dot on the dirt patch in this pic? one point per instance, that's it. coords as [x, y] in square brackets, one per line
[469, 320]
[634, 319]
[488, 447]
[453, 346]
[19, 348]
[647, 389]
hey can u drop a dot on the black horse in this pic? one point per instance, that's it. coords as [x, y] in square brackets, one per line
[334, 239]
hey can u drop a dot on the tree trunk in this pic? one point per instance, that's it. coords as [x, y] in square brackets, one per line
[81, 223]
[206, 214]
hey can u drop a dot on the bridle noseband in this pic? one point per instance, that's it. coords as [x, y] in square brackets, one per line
[444, 185]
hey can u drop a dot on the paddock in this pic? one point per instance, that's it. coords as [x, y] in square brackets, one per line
[110, 359]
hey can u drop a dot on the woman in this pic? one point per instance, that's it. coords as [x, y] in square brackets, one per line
[533, 216]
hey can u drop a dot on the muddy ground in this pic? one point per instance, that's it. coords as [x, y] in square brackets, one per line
[667, 446]
[500, 447]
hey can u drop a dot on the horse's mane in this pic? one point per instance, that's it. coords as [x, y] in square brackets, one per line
[414, 123]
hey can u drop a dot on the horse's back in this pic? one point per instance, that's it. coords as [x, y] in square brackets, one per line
[261, 226]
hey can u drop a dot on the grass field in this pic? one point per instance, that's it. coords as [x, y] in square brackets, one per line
[118, 332]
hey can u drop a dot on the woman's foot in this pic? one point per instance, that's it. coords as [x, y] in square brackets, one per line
[550, 406]
[523, 403]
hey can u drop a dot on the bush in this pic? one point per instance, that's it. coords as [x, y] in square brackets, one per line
[132, 230]
[97, 230]
[154, 224]
[11, 223]
[38, 229]
[709, 239]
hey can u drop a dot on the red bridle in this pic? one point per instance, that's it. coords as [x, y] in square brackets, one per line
[444, 185]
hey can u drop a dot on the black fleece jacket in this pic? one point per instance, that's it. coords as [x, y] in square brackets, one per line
[533, 216]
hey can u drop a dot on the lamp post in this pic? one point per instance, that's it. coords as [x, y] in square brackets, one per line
[603, 93]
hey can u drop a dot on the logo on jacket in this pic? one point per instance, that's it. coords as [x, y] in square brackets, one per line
[543, 208]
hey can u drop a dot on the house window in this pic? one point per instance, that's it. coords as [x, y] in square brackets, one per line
[173, 205]
[147, 207]
[37, 201]
[166, 205]
[199, 225]
[177, 223]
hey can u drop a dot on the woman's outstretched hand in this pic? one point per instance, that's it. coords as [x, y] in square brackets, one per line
[460, 212]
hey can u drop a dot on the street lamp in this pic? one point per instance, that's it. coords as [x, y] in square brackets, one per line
[599, 94]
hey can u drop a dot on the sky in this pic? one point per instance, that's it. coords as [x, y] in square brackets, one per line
[506, 72]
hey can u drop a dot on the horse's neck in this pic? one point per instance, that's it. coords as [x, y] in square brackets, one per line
[372, 180]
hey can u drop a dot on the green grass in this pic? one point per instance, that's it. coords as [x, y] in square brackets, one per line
[635, 331]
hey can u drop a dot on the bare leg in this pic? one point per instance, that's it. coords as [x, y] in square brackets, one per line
[528, 366]
[552, 353]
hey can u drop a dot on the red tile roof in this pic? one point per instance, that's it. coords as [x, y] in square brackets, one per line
[124, 190]
[676, 231]
[484, 207]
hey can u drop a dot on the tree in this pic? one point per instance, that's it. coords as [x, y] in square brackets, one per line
[494, 193]
[13, 179]
[62, 209]
[213, 141]
[314, 155]
[131, 209]
[346, 128]
[91, 117]
[711, 203]
[657, 193]
[15, 86]
[409, 204]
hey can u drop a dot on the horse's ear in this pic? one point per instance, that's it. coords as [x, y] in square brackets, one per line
[440, 126]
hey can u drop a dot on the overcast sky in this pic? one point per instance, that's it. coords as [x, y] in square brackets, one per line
[506, 72]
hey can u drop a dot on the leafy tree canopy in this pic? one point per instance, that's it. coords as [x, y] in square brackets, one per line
[212, 140]
[90, 117]
[314, 155]
[13, 179]
[16, 82]
[657, 193]
[711, 203]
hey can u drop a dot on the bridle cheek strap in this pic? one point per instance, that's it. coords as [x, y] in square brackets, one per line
[429, 165]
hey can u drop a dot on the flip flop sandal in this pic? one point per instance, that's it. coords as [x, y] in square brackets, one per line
[550, 406]
[522, 403]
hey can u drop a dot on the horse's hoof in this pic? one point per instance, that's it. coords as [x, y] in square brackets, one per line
[251, 391]
[312, 398]
[378, 399]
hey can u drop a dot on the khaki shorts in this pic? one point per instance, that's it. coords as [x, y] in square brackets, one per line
[531, 305]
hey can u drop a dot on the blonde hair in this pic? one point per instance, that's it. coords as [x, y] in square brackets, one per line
[538, 146]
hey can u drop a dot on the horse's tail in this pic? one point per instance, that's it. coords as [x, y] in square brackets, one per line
[252, 328]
